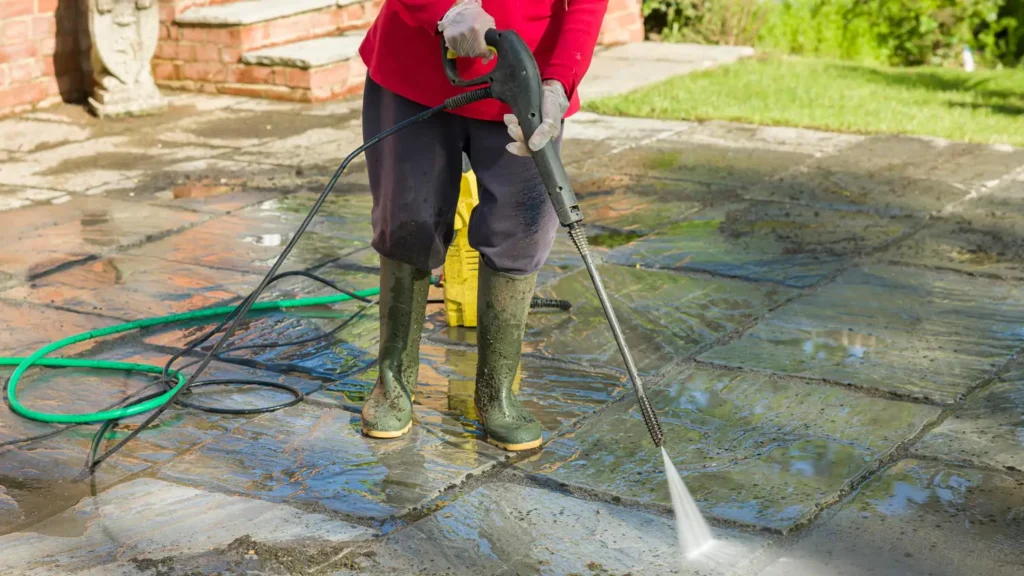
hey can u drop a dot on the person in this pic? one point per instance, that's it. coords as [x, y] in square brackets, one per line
[415, 175]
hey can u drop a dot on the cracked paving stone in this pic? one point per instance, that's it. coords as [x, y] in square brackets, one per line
[249, 241]
[28, 327]
[132, 287]
[309, 454]
[26, 135]
[763, 241]
[511, 529]
[752, 449]
[147, 525]
[664, 316]
[239, 129]
[975, 241]
[555, 395]
[987, 430]
[918, 518]
[99, 225]
[917, 333]
[728, 167]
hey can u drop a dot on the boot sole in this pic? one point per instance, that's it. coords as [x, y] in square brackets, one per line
[383, 435]
[516, 447]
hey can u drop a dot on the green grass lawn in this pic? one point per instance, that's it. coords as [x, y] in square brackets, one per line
[984, 106]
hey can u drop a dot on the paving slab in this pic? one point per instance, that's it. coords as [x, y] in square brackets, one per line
[556, 395]
[248, 12]
[27, 327]
[987, 430]
[788, 244]
[26, 135]
[918, 333]
[85, 227]
[146, 525]
[918, 518]
[664, 316]
[133, 287]
[752, 449]
[310, 454]
[805, 141]
[308, 53]
[511, 529]
[345, 213]
[241, 127]
[318, 150]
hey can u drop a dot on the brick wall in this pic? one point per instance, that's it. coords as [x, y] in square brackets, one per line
[624, 23]
[41, 49]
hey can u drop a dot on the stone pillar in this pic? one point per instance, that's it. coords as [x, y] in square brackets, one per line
[623, 24]
[124, 35]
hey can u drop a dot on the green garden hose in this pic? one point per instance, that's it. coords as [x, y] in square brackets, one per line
[37, 358]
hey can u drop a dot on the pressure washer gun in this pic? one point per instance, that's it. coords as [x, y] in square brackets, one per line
[515, 81]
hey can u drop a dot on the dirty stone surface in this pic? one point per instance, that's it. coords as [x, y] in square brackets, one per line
[828, 325]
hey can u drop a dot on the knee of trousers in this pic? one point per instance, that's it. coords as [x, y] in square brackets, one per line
[415, 243]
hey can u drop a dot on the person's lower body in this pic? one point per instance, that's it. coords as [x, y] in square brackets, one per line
[415, 177]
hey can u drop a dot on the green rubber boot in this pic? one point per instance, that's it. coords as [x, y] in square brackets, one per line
[503, 302]
[403, 308]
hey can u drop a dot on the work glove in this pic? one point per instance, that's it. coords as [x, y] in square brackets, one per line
[554, 104]
[463, 28]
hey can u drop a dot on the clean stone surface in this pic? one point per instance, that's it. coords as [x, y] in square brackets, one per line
[918, 518]
[316, 455]
[664, 316]
[763, 241]
[117, 531]
[511, 529]
[28, 327]
[987, 430]
[751, 448]
[132, 287]
[248, 12]
[919, 333]
[308, 53]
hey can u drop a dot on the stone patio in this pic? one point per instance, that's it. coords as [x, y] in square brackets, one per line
[829, 324]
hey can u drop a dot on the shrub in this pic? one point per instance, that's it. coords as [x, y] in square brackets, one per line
[730, 22]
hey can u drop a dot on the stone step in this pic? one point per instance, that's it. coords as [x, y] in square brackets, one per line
[247, 25]
[306, 71]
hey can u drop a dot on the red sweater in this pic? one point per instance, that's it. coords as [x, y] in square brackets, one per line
[402, 49]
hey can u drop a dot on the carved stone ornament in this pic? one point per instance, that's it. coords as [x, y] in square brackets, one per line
[124, 35]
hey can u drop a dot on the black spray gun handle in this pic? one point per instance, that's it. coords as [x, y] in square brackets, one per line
[515, 81]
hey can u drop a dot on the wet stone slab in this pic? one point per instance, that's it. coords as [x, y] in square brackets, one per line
[729, 167]
[764, 241]
[133, 287]
[147, 525]
[512, 529]
[556, 395]
[917, 333]
[98, 226]
[345, 213]
[987, 430]
[664, 316]
[311, 454]
[985, 242]
[752, 449]
[919, 518]
[28, 327]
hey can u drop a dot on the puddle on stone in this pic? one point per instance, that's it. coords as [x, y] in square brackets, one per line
[132, 287]
[792, 245]
[663, 316]
[919, 518]
[924, 334]
[315, 455]
[751, 448]
[987, 430]
[507, 528]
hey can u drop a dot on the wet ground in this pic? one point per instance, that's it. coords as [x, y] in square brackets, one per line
[829, 325]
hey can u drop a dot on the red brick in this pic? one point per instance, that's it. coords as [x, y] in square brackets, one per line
[254, 36]
[167, 13]
[192, 34]
[353, 13]
[224, 36]
[230, 55]
[15, 31]
[330, 76]
[47, 47]
[46, 6]
[18, 52]
[4, 80]
[50, 67]
[205, 71]
[13, 8]
[166, 51]
[288, 28]
[186, 52]
[298, 78]
[44, 26]
[206, 53]
[22, 95]
[165, 32]
[165, 71]
[323, 21]
[252, 75]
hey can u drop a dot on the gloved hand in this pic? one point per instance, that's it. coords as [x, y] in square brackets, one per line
[463, 28]
[554, 105]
